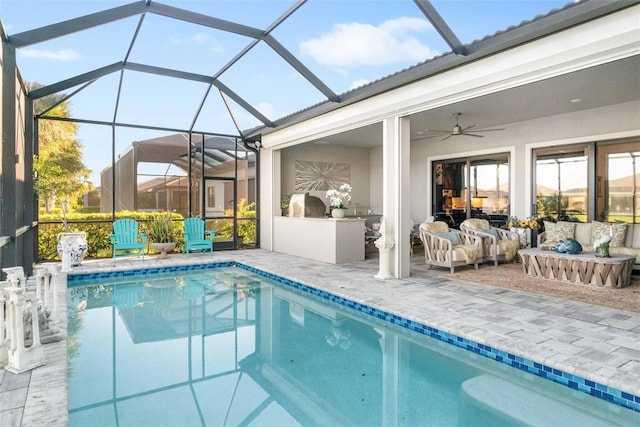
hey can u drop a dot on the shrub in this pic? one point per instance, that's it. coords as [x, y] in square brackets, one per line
[97, 228]
[246, 223]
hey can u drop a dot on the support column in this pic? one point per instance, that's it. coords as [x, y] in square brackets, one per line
[8, 253]
[396, 191]
[270, 171]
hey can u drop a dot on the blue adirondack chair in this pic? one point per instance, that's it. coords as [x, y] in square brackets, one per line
[126, 239]
[195, 236]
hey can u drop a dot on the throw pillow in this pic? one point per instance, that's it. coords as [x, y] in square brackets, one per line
[558, 231]
[617, 231]
[452, 236]
[493, 232]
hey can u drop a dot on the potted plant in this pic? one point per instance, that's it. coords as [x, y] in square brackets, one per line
[338, 200]
[162, 233]
[284, 204]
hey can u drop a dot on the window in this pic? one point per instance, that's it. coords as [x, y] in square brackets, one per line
[475, 187]
[618, 183]
[561, 184]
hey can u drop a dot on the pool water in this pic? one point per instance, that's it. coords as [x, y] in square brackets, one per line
[229, 347]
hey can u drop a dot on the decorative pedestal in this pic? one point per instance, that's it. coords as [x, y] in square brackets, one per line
[384, 245]
[22, 358]
[72, 247]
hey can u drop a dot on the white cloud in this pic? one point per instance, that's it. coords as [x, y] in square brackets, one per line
[352, 45]
[199, 39]
[58, 55]
[358, 83]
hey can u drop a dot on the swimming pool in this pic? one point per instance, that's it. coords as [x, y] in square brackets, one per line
[229, 346]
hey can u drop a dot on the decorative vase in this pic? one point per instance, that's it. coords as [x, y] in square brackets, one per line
[338, 212]
[602, 250]
[73, 243]
[524, 236]
[163, 248]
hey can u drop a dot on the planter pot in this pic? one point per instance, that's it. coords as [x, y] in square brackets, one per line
[163, 248]
[73, 244]
[338, 213]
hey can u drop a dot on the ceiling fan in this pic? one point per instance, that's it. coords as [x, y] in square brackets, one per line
[459, 130]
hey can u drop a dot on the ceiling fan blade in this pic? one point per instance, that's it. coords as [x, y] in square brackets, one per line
[447, 137]
[468, 127]
[471, 134]
[438, 130]
[488, 130]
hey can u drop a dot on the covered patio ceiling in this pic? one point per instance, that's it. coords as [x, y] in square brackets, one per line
[136, 79]
[608, 84]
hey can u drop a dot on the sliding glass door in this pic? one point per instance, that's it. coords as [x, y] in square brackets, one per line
[474, 187]
[562, 184]
[618, 182]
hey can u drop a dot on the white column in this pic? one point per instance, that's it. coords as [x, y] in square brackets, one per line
[269, 194]
[41, 286]
[57, 280]
[396, 190]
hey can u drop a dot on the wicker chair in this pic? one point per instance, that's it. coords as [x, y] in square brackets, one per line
[449, 248]
[497, 244]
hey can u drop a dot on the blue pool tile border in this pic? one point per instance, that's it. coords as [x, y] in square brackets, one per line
[575, 382]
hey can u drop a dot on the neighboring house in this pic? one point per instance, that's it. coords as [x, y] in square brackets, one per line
[142, 191]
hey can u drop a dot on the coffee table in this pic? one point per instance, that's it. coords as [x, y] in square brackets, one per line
[584, 268]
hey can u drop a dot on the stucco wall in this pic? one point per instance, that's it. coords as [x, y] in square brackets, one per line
[357, 158]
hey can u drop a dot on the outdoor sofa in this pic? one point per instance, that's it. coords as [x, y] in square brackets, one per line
[625, 240]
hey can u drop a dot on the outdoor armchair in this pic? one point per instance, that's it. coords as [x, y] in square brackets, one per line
[126, 239]
[450, 248]
[497, 244]
[196, 238]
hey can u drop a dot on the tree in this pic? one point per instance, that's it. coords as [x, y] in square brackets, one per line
[60, 175]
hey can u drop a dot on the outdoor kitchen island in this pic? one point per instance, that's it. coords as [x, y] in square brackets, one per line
[333, 240]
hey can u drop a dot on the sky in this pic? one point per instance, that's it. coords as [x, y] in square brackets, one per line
[345, 43]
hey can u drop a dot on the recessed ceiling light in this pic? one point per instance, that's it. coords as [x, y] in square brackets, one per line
[576, 100]
[322, 142]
